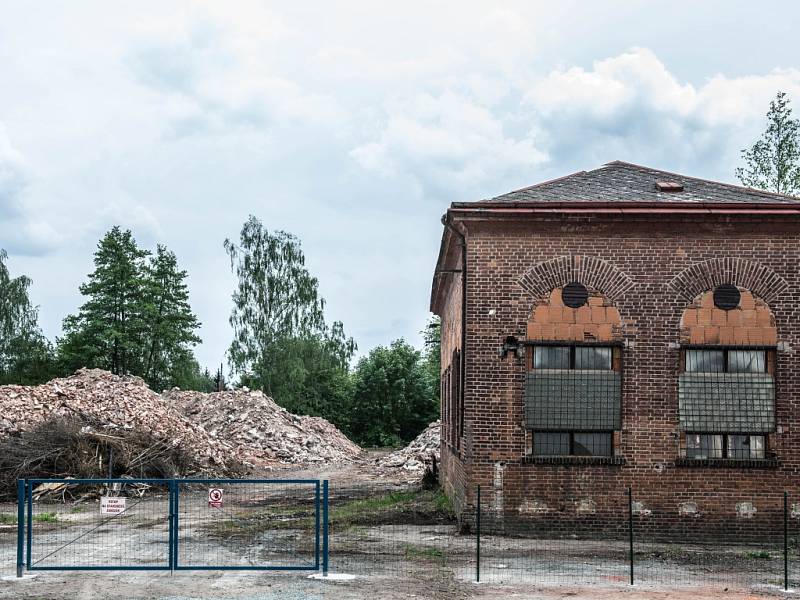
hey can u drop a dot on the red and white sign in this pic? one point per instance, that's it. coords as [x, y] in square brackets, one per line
[110, 505]
[215, 498]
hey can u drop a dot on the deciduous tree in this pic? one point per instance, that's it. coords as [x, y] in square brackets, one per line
[773, 162]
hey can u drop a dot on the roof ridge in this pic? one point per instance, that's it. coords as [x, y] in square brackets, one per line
[701, 180]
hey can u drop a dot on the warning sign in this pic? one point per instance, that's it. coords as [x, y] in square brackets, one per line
[111, 505]
[215, 498]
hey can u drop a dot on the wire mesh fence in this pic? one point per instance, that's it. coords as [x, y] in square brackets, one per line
[248, 524]
[73, 524]
[411, 536]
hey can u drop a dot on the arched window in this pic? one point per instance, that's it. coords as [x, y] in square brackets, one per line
[573, 383]
[726, 384]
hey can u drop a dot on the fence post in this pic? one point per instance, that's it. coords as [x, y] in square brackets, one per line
[325, 528]
[172, 532]
[478, 537]
[785, 540]
[630, 530]
[20, 525]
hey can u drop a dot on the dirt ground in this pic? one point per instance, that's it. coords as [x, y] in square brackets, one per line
[410, 551]
[252, 586]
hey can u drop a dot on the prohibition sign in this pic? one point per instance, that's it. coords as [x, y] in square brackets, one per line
[215, 498]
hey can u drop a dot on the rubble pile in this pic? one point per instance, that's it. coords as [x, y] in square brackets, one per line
[216, 433]
[106, 402]
[421, 455]
[262, 432]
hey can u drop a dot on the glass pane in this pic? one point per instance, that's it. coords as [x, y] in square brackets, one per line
[592, 444]
[546, 443]
[592, 357]
[551, 357]
[703, 446]
[745, 446]
[747, 361]
[705, 361]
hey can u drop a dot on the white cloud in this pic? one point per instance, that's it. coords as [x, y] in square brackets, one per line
[21, 231]
[632, 107]
[448, 143]
[350, 124]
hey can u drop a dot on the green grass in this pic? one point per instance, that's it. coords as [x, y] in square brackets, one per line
[420, 552]
[413, 507]
[758, 554]
[45, 517]
[78, 508]
[8, 519]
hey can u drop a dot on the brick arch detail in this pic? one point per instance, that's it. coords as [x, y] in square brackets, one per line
[748, 274]
[591, 271]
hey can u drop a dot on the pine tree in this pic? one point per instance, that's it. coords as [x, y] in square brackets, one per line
[169, 323]
[773, 162]
[108, 332]
[136, 319]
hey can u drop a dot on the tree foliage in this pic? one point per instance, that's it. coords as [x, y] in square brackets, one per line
[282, 344]
[136, 318]
[773, 162]
[26, 357]
[393, 396]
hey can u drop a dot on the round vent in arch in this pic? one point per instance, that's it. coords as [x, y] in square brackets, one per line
[574, 295]
[727, 296]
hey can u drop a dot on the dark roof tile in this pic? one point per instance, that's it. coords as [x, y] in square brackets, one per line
[625, 182]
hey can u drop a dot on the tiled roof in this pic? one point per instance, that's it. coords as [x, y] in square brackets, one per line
[625, 182]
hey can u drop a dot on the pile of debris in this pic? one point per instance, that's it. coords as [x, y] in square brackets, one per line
[190, 433]
[261, 432]
[421, 456]
[107, 404]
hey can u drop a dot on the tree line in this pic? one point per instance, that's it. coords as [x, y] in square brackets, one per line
[136, 319]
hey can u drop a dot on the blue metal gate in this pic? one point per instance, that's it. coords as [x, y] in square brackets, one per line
[168, 524]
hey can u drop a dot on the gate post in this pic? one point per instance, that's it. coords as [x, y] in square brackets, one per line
[20, 525]
[173, 534]
[325, 528]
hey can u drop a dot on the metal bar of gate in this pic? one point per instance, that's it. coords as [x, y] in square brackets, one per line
[28, 496]
[20, 524]
[316, 525]
[325, 528]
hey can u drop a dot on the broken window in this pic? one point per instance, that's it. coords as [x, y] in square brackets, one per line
[726, 402]
[574, 443]
[573, 399]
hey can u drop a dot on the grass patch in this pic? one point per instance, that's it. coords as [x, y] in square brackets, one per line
[45, 517]
[758, 555]
[421, 552]
[8, 519]
[411, 507]
[78, 508]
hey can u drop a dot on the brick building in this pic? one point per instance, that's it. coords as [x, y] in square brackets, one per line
[621, 327]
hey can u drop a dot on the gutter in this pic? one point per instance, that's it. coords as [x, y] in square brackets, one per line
[446, 221]
[516, 208]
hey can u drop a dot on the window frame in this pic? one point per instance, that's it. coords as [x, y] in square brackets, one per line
[571, 443]
[615, 347]
[770, 358]
[726, 445]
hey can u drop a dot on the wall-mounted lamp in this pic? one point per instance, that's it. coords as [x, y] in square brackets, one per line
[511, 344]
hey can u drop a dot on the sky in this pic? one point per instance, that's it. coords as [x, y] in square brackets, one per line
[352, 125]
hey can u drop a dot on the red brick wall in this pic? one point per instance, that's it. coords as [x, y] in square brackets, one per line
[652, 270]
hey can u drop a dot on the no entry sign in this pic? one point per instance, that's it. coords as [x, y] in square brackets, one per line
[215, 498]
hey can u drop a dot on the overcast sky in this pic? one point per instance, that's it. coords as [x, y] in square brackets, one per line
[351, 125]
